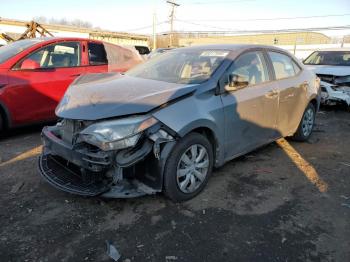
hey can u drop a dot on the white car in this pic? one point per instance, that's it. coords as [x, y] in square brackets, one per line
[332, 66]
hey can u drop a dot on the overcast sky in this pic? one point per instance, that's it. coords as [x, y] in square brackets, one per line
[197, 15]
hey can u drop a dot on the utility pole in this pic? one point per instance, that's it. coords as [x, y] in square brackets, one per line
[154, 29]
[172, 15]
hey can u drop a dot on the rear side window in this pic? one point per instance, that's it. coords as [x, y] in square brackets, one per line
[97, 54]
[283, 65]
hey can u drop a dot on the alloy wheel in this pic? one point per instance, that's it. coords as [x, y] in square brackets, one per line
[308, 122]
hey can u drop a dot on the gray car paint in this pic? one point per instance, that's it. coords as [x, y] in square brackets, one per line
[237, 119]
[101, 96]
[234, 118]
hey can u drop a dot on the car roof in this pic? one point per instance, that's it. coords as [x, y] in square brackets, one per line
[54, 39]
[345, 49]
[232, 47]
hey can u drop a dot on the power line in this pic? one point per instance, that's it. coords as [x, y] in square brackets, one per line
[210, 26]
[146, 27]
[219, 2]
[266, 19]
[295, 30]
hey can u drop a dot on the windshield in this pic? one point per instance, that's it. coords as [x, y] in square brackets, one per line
[181, 67]
[334, 58]
[10, 50]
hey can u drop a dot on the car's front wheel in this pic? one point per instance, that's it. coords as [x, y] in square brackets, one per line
[306, 124]
[188, 168]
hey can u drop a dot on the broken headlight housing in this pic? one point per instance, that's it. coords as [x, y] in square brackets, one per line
[117, 134]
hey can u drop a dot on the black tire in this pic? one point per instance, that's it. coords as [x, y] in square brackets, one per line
[171, 188]
[300, 134]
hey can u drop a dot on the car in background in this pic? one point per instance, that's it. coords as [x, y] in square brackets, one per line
[35, 73]
[143, 50]
[158, 51]
[332, 66]
[166, 123]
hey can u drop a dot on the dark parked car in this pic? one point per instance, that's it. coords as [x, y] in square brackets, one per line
[35, 73]
[165, 124]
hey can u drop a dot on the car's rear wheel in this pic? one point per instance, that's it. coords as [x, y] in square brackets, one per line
[188, 168]
[306, 124]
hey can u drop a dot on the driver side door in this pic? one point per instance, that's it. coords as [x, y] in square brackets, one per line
[251, 110]
[37, 90]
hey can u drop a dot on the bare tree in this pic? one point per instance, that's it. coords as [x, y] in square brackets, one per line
[63, 21]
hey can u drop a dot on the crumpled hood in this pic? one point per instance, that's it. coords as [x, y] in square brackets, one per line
[330, 70]
[99, 96]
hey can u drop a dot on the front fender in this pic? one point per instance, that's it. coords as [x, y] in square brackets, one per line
[197, 111]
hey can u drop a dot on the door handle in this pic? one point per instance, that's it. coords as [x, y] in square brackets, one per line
[75, 75]
[289, 96]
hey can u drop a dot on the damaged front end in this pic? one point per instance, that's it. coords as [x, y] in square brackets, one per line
[335, 90]
[119, 158]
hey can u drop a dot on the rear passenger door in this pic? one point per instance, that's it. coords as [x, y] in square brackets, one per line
[291, 88]
[97, 55]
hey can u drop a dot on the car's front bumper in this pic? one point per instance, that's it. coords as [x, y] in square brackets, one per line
[332, 94]
[116, 174]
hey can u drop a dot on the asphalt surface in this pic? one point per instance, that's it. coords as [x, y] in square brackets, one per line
[287, 201]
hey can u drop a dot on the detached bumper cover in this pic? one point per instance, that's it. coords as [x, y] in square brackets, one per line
[63, 178]
[95, 162]
[71, 170]
[81, 172]
[332, 94]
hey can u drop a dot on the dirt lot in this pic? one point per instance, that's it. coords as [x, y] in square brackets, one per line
[285, 202]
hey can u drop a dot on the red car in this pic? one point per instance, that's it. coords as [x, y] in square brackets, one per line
[35, 73]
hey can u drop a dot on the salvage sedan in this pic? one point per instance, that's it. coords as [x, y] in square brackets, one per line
[165, 124]
[332, 66]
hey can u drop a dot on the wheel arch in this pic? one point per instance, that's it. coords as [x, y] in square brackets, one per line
[209, 131]
[5, 114]
[315, 103]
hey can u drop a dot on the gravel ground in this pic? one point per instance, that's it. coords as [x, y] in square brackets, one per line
[287, 201]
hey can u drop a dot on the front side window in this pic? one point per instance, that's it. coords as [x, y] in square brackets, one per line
[251, 68]
[334, 58]
[65, 54]
[97, 54]
[282, 65]
[181, 66]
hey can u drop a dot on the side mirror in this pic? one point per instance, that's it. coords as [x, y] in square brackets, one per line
[236, 82]
[30, 64]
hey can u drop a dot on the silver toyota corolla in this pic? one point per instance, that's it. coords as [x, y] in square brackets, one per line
[165, 124]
